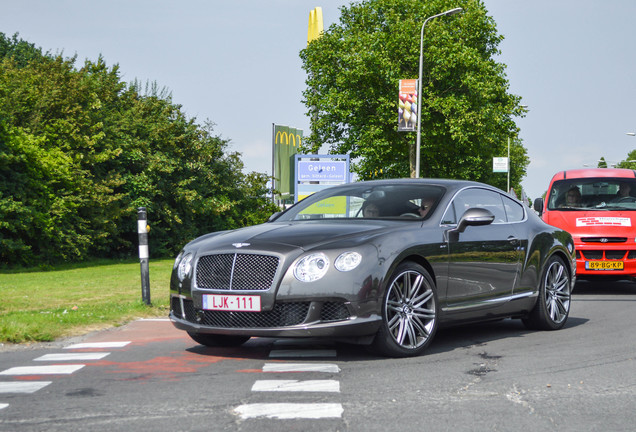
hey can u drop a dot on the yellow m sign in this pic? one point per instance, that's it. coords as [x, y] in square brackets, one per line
[286, 143]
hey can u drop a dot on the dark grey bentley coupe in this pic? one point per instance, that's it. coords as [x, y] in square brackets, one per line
[383, 263]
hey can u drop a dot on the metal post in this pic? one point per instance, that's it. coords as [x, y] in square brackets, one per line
[418, 139]
[508, 165]
[142, 230]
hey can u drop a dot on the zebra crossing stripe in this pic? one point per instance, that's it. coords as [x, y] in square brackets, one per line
[301, 367]
[296, 353]
[22, 386]
[290, 410]
[331, 386]
[73, 356]
[43, 370]
[98, 345]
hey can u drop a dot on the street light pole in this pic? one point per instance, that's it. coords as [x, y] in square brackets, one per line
[508, 190]
[418, 141]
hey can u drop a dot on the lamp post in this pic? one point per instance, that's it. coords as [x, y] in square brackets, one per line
[418, 140]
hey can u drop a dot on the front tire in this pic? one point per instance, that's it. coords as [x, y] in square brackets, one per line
[553, 305]
[213, 340]
[409, 312]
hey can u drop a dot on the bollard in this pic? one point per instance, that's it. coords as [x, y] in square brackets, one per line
[142, 230]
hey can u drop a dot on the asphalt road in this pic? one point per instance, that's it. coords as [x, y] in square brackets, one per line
[491, 377]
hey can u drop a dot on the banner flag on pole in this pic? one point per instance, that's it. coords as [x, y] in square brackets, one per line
[407, 105]
[286, 143]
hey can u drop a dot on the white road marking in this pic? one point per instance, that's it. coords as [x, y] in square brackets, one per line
[290, 410]
[3, 405]
[296, 386]
[295, 353]
[301, 367]
[73, 356]
[43, 370]
[98, 345]
[22, 386]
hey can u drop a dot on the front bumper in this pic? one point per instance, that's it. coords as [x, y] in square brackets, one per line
[286, 319]
[608, 258]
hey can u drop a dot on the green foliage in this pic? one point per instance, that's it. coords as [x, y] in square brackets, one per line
[80, 151]
[467, 113]
[630, 162]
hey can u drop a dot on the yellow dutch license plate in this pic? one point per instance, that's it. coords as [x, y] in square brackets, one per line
[604, 265]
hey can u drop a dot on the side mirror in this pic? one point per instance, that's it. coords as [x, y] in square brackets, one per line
[274, 216]
[538, 206]
[475, 217]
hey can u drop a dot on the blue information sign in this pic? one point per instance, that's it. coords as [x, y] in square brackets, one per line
[333, 171]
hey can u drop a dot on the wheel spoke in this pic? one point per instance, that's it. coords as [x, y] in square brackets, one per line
[421, 327]
[423, 313]
[411, 333]
[394, 322]
[423, 298]
[415, 286]
[394, 306]
[401, 333]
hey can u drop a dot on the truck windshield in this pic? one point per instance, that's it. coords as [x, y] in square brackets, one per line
[593, 194]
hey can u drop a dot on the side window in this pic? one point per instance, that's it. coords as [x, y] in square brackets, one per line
[449, 217]
[514, 210]
[476, 197]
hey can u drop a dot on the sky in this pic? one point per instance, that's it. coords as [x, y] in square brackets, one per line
[236, 63]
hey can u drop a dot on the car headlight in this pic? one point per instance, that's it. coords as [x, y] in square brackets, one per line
[177, 260]
[185, 266]
[347, 261]
[312, 267]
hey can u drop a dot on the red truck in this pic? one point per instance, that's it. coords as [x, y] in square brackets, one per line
[598, 207]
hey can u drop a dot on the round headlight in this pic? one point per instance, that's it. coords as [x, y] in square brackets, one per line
[185, 266]
[347, 261]
[312, 267]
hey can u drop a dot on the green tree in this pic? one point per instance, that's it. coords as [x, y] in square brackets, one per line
[630, 162]
[467, 112]
[80, 151]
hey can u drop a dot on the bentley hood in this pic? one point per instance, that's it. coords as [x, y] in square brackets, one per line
[285, 236]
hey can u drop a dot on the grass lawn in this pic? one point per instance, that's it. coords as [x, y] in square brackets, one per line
[42, 306]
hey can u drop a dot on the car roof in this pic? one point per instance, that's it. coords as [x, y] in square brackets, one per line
[448, 183]
[595, 172]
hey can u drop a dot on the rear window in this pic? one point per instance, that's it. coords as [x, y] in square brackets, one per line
[593, 193]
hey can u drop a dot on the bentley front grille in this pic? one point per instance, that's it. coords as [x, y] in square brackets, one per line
[283, 315]
[236, 271]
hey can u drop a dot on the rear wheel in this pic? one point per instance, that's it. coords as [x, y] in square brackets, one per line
[213, 340]
[409, 312]
[553, 305]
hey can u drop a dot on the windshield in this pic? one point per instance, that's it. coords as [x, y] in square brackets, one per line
[593, 193]
[362, 201]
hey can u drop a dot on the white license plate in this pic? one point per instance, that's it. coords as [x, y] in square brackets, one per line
[232, 303]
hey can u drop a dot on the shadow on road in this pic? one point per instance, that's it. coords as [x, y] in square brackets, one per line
[594, 287]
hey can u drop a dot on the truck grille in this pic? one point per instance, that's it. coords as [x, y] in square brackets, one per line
[236, 271]
[604, 239]
[609, 254]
